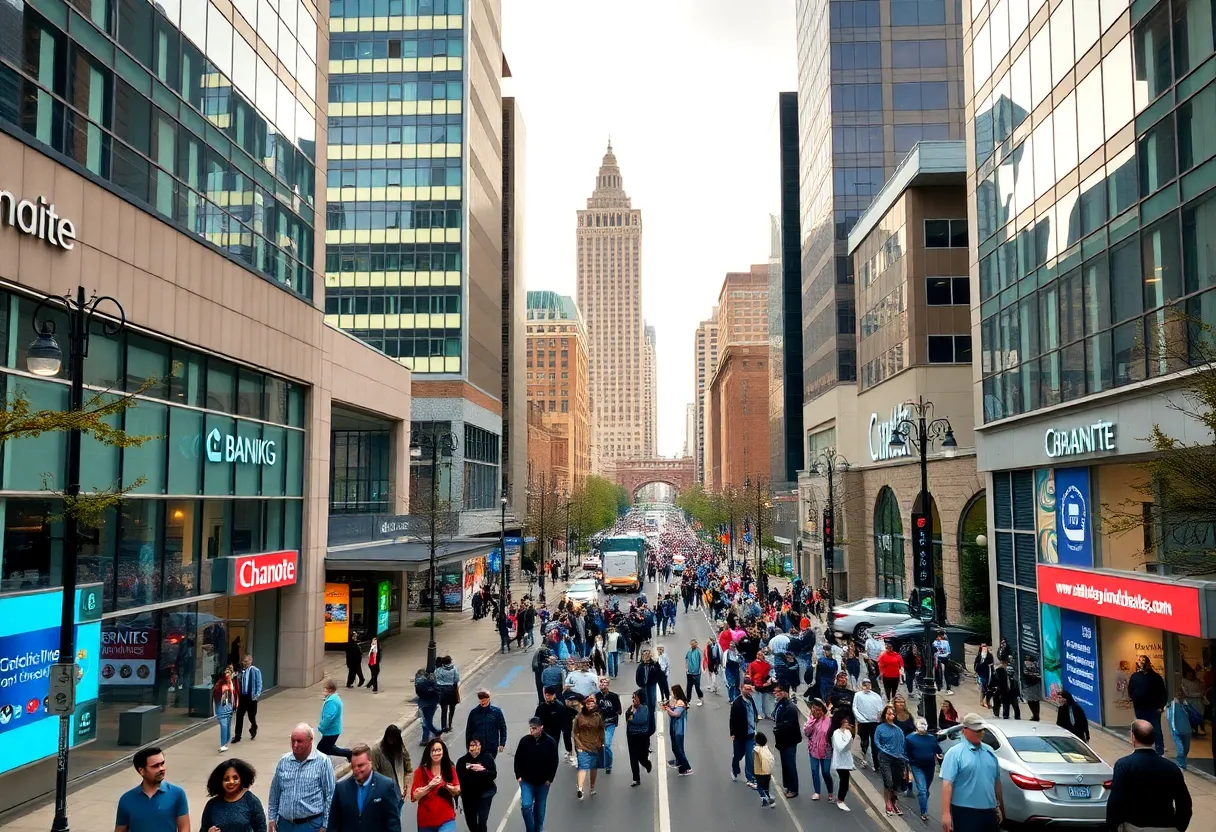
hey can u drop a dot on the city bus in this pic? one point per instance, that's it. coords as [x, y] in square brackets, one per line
[624, 562]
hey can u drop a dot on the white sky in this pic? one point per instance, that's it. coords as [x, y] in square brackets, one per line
[688, 91]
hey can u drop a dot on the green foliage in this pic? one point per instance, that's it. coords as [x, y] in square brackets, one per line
[595, 506]
[426, 622]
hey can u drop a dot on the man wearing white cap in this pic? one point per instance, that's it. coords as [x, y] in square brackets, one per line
[971, 784]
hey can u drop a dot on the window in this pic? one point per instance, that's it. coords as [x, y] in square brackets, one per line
[949, 349]
[946, 233]
[888, 546]
[948, 291]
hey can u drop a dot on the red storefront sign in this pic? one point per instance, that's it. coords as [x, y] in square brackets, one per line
[270, 570]
[1163, 606]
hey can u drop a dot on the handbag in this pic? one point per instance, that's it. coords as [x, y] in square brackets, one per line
[456, 694]
[1194, 715]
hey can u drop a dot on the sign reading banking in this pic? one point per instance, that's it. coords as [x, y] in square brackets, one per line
[224, 447]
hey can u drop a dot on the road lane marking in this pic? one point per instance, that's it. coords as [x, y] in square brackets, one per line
[510, 677]
[661, 753]
[502, 824]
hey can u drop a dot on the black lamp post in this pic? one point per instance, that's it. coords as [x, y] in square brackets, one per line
[922, 430]
[730, 506]
[434, 442]
[761, 505]
[502, 543]
[828, 461]
[567, 532]
[45, 359]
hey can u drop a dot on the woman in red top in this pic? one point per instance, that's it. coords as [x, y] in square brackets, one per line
[890, 667]
[759, 672]
[225, 694]
[435, 789]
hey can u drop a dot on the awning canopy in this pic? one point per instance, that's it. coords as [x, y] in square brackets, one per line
[413, 556]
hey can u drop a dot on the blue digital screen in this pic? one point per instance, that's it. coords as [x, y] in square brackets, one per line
[29, 645]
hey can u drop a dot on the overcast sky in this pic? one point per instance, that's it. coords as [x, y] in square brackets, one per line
[688, 91]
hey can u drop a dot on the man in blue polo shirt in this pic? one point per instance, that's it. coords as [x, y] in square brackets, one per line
[971, 783]
[153, 805]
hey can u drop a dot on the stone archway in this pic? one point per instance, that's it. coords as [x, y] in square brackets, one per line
[633, 474]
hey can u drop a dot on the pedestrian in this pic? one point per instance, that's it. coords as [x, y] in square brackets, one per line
[1178, 718]
[612, 651]
[947, 715]
[330, 724]
[638, 721]
[477, 771]
[302, 786]
[903, 717]
[447, 679]
[552, 676]
[677, 711]
[599, 660]
[890, 668]
[224, 694]
[732, 670]
[762, 765]
[233, 807]
[390, 758]
[435, 789]
[1146, 689]
[840, 696]
[760, 672]
[1003, 651]
[692, 662]
[971, 783]
[818, 733]
[712, 664]
[588, 733]
[487, 723]
[867, 708]
[1004, 691]
[504, 632]
[582, 681]
[354, 662]
[428, 695]
[610, 708]
[787, 736]
[664, 678]
[1071, 716]
[373, 665]
[535, 767]
[154, 805]
[983, 666]
[647, 679]
[1147, 792]
[941, 659]
[743, 719]
[367, 801]
[1032, 684]
[924, 752]
[842, 757]
[892, 755]
[249, 685]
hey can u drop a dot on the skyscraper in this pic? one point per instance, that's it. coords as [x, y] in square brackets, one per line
[706, 362]
[873, 79]
[650, 396]
[514, 301]
[690, 429]
[609, 264]
[413, 260]
[785, 311]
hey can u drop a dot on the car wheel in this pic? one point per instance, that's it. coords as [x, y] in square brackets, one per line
[859, 632]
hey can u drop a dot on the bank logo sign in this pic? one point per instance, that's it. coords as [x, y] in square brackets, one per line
[1074, 538]
[224, 447]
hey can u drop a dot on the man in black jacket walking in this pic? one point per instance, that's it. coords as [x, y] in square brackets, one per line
[610, 709]
[535, 768]
[487, 723]
[787, 736]
[1146, 689]
[367, 801]
[1147, 792]
[743, 716]
[354, 662]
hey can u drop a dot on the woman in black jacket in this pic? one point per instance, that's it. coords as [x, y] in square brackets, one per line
[1071, 717]
[476, 772]
[637, 735]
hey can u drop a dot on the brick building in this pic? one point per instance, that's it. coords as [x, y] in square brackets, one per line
[737, 446]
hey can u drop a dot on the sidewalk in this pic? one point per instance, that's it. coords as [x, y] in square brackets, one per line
[191, 758]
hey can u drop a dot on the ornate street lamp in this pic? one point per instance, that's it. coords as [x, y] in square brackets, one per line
[828, 462]
[433, 443]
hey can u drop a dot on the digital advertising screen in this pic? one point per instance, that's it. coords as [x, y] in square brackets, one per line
[29, 645]
[337, 613]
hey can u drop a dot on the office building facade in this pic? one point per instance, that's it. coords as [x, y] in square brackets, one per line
[177, 144]
[785, 304]
[557, 383]
[706, 362]
[1092, 196]
[609, 275]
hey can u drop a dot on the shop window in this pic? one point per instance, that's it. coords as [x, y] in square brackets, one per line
[149, 460]
[147, 366]
[274, 394]
[186, 383]
[295, 405]
[249, 397]
[221, 386]
[294, 464]
[273, 475]
[37, 462]
[246, 526]
[181, 548]
[185, 451]
[888, 546]
[215, 530]
[33, 552]
[139, 570]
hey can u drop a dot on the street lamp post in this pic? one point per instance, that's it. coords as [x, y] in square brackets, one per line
[828, 461]
[567, 538]
[502, 550]
[923, 430]
[730, 503]
[437, 442]
[761, 505]
[45, 359]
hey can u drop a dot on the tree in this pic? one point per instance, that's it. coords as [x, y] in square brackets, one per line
[595, 506]
[546, 518]
[1174, 506]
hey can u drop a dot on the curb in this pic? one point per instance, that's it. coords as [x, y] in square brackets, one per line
[407, 722]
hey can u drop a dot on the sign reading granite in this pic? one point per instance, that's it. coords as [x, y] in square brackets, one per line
[37, 219]
[880, 434]
[1088, 439]
[223, 447]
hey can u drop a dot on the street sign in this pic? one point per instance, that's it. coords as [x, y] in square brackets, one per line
[922, 553]
[62, 699]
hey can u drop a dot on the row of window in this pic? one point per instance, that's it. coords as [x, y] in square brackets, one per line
[946, 233]
[393, 8]
[865, 13]
[352, 47]
[398, 175]
[383, 134]
[360, 476]
[425, 301]
[365, 92]
[433, 343]
[345, 217]
[877, 370]
[392, 257]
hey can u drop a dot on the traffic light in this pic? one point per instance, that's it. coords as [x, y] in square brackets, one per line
[922, 564]
[829, 538]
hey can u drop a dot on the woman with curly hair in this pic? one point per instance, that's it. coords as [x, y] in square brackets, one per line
[232, 807]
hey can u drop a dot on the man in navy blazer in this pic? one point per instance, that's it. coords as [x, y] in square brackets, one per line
[367, 801]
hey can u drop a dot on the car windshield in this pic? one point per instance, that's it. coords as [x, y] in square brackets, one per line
[1068, 750]
[582, 586]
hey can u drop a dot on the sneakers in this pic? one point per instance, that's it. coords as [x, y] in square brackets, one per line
[751, 784]
[763, 802]
[223, 748]
[636, 783]
[235, 740]
[592, 792]
[843, 808]
[685, 773]
[949, 693]
[580, 794]
[734, 778]
[700, 703]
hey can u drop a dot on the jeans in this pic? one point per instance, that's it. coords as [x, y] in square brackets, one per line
[1182, 747]
[923, 778]
[449, 826]
[823, 765]
[609, 733]
[732, 687]
[639, 753]
[532, 800]
[865, 731]
[1012, 702]
[677, 747]
[743, 748]
[225, 722]
[428, 721]
[692, 682]
[505, 646]
[1153, 717]
[764, 704]
[477, 813]
[250, 707]
[614, 664]
[789, 768]
[329, 745]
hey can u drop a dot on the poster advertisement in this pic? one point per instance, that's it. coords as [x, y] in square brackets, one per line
[29, 645]
[129, 655]
[1122, 645]
[1045, 515]
[1074, 526]
[1053, 639]
[474, 576]
[337, 613]
[1080, 666]
[384, 602]
[451, 589]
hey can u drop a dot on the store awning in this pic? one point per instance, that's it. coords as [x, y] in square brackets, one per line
[412, 556]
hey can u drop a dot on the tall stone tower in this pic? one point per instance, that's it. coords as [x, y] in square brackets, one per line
[610, 295]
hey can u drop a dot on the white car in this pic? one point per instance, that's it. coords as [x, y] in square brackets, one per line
[854, 618]
[591, 563]
[582, 591]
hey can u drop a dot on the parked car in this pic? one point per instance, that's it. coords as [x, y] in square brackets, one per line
[582, 591]
[854, 618]
[1048, 776]
[913, 630]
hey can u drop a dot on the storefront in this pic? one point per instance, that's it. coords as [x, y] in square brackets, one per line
[364, 605]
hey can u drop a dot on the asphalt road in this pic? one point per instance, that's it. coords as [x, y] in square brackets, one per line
[665, 802]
